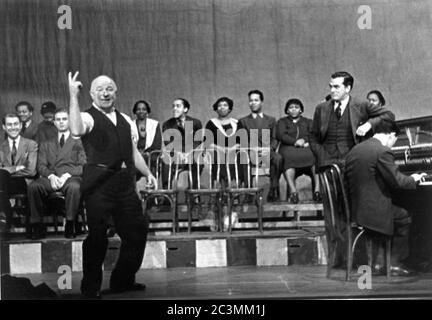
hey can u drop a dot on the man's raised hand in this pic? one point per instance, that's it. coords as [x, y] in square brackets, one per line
[74, 85]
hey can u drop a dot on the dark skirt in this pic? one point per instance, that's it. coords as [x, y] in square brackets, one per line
[296, 157]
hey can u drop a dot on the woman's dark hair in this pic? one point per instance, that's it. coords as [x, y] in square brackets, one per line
[379, 95]
[224, 99]
[294, 101]
[135, 107]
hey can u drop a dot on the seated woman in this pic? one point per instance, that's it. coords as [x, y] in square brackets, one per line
[292, 132]
[150, 134]
[223, 129]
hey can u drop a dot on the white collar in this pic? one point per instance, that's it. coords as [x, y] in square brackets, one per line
[254, 115]
[66, 135]
[27, 123]
[17, 141]
[343, 103]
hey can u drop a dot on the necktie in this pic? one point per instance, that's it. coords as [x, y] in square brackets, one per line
[338, 110]
[23, 127]
[62, 140]
[14, 152]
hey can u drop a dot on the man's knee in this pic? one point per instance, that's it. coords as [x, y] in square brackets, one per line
[74, 187]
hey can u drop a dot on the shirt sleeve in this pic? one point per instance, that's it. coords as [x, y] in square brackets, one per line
[88, 121]
[134, 130]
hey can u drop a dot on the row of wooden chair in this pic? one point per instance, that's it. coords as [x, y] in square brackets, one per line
[233, 189]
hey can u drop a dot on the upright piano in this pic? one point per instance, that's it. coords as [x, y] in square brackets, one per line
[413, 153]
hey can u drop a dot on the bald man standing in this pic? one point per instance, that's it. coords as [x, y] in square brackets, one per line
[110, 142]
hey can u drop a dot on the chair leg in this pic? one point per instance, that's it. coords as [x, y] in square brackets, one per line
[332, 256]
[174, 214]
[229, 208]
[369, 250]
[219, 213]
[260, 212]
[189, 206]
[349, 255]
[388, 257]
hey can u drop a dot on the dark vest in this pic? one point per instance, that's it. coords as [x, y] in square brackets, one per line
[108, 144]
[339, 138]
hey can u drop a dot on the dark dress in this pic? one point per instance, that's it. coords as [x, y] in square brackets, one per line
[221, 139]
[288, 132]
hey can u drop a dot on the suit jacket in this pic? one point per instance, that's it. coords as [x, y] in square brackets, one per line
[190, 123]
[371, 175]
[46, 131]
[31, 131]
[360, 112]
[54, 159]
[267, 122]
[26, 156]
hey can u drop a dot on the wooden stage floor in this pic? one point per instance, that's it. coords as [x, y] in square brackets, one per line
[289, 282]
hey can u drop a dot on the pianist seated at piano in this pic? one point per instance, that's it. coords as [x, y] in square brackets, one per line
[372, 177]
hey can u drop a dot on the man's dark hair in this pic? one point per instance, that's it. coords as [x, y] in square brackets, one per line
[223, 99]
[24, 103]
[261, 95]
[379, 95]
[348, 79]
[387, 127]
[9, 115]
[135, 107]
[186, 103]
[294, 101]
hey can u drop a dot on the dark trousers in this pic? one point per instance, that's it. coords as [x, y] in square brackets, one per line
[115, 197]
[276, 169]
[39, 189]
[8, 186]
[182, 167]
[400, 241]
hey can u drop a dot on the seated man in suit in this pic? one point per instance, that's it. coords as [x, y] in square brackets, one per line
[182, 139]
[18, 157]
[24, 111]
[60, 166]
[372, 176]
[259, 121]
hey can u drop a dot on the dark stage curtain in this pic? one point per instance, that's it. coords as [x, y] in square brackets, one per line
[203, 49]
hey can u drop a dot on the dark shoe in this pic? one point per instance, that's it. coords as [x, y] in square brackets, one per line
[91, 295]
[272, 196]
[79, 228]
[133, 287]
[399, 271]
[378, 270]
[38, 231]
[69, 230]
[294, 198]
[317, 197]
[249, 199]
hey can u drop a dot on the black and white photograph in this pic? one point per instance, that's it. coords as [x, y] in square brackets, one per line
[216, 158]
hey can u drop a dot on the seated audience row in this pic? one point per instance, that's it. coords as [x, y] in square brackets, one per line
[44, 158]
